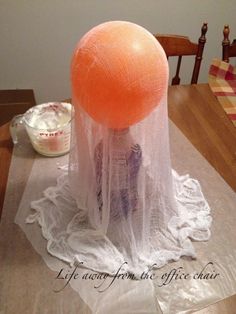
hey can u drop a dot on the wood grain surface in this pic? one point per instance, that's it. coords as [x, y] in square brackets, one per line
[197, 113]
[12, 102]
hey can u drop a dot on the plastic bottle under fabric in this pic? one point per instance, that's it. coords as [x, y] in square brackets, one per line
[125, 160]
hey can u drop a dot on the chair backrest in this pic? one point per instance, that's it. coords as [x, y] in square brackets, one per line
[13, 102]
[175, 45]
[228, 49]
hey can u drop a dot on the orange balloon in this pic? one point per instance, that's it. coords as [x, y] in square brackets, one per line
[119, 73]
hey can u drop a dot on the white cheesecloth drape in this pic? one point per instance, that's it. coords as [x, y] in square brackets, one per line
[121, 203]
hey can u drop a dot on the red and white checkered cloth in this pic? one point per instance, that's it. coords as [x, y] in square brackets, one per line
[222, 80]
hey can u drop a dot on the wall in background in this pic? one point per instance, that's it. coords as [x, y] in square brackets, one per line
[38, 37]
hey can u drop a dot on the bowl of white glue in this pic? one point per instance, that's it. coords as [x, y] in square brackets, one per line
[48, 126]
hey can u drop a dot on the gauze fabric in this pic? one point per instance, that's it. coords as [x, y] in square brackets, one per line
[121, 203]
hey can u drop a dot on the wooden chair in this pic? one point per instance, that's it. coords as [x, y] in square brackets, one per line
[228, 49]
[13, 102]
[179, 46]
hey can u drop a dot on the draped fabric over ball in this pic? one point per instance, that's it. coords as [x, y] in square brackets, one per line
[121, 201]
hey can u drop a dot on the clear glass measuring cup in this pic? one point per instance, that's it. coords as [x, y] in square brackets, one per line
[48, 126]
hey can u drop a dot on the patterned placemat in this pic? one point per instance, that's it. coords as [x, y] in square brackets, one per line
[222, 80]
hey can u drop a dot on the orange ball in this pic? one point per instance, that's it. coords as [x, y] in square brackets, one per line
[119, 73]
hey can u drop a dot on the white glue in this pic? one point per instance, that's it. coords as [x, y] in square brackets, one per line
[49, 127]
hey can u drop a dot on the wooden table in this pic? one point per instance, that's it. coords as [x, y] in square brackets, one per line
[197, 113]
[12, 102]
